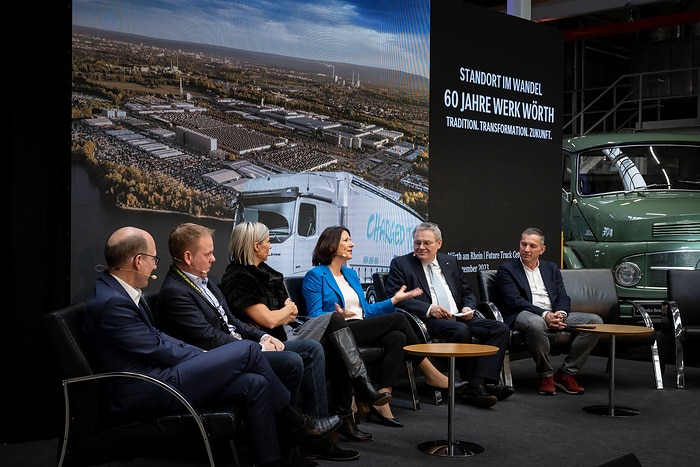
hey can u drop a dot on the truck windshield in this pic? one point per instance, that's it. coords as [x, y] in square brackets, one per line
[277, 214]
[641, 167]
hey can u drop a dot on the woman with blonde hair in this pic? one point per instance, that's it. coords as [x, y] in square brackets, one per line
[256, 294]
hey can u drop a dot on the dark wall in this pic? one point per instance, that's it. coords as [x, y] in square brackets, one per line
[37, 275]
[488, 183]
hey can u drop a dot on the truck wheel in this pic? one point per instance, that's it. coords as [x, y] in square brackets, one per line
[370, 295]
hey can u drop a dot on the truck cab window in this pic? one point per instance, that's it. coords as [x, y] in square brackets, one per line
[307, 220]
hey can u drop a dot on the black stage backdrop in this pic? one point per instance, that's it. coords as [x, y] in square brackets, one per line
[495, 132]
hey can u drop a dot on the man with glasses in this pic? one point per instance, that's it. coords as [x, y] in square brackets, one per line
[448, 308]
[120, 330]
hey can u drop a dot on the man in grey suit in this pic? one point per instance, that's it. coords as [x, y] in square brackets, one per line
[447, 306]
[535, 302]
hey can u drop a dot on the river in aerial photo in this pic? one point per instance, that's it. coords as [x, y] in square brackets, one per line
[94, 218]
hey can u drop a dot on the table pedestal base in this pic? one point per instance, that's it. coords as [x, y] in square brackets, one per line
[441, 448]
[615, 411]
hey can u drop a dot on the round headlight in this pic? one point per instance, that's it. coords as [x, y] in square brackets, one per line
[627, 274]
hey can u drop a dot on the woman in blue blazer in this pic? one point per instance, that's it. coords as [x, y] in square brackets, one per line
[330, 286]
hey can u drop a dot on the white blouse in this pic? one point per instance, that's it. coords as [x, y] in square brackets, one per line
[352, 301]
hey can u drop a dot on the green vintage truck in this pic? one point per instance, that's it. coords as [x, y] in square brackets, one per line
[631, 203]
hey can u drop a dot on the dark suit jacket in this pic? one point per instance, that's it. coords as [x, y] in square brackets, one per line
[408, 270]
[515, 294]
[184, 312]
[123, 338]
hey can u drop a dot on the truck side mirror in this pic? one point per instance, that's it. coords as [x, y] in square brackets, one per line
[566, 195]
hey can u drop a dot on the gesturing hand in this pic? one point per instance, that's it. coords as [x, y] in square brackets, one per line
[341, 310]
[402, 294]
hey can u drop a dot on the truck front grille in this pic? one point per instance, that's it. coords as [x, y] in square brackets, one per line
[664, 229]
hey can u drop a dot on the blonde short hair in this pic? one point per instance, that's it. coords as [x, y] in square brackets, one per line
[241, 245]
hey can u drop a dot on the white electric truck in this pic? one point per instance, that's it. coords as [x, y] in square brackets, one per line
[296, 207]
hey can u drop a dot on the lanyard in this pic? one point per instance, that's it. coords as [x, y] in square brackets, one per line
[220, 312]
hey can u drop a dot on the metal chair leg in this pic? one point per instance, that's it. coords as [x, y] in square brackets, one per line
[678, 341]
[412, 382]
[507, 375]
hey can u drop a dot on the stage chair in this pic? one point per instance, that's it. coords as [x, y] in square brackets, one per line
[92, 435]
[591, 291]
[681, 317]
[419, 327]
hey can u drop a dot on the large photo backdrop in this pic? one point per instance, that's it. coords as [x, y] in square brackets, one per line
[301, 114]
[373, 115]
[495, 132]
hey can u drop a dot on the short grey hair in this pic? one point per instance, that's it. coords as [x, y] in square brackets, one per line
[428, 226]
[534, 231]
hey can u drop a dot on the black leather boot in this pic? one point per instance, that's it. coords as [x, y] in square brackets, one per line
[349, 429]
[344, 343]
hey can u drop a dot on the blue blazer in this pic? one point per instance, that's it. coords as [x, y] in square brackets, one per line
[321, 293]
[515, 294]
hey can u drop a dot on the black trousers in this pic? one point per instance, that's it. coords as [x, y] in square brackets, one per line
[391, 331]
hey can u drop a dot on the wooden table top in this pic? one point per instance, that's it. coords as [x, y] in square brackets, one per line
[618, 329]
[449, 349]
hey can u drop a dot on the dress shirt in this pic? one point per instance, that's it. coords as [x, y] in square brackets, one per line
[437, 272]
[134, 293]
[201, 283]
[540, 297]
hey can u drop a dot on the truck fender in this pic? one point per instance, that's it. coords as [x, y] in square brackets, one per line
[571, 260]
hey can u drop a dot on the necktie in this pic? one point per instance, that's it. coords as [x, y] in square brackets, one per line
[211, 298]
[148, 311]
[440, 292]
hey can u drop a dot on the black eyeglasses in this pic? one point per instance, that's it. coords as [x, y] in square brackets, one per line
[418, 243]
[156, 259]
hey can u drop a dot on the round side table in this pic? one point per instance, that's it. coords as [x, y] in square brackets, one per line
[451, 447]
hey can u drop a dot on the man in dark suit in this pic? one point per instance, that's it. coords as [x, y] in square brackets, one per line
[192, 308]
[534, 301]
[447, 306]
[121, 333]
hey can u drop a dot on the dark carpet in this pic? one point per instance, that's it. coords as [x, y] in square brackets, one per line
[525, 430]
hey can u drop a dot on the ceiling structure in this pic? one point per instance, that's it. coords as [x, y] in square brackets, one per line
[609, 39]
[587, 19]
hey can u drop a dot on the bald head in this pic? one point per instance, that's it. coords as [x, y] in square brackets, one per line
[124, 244]
[130, 254]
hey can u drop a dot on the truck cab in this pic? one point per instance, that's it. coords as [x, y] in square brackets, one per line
[631, 203]
[297, 207]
